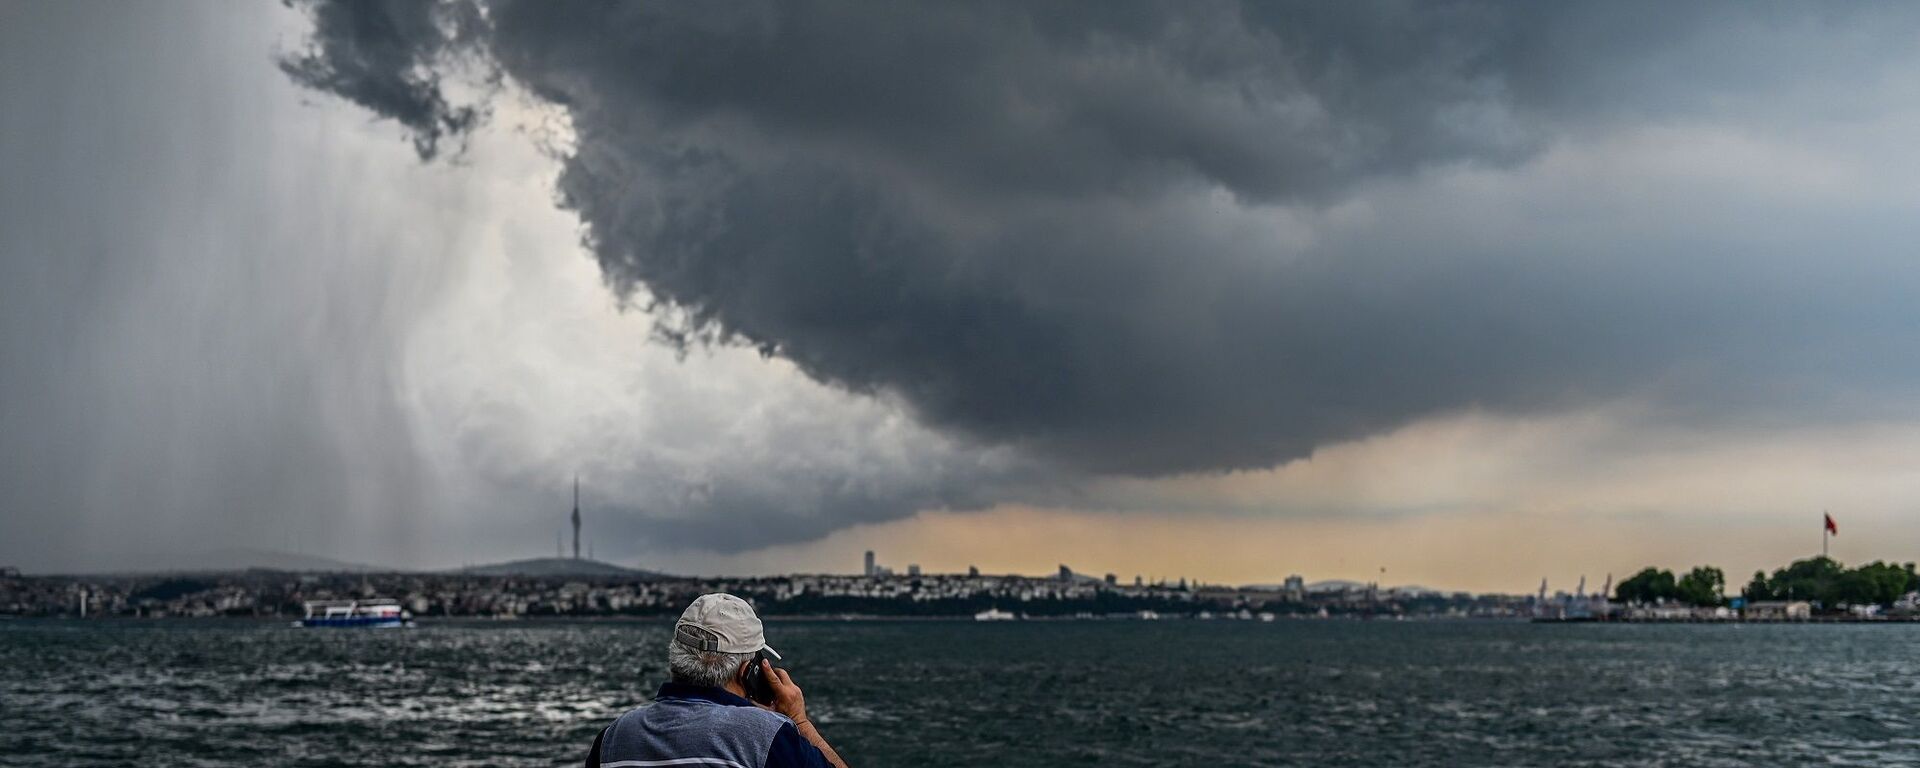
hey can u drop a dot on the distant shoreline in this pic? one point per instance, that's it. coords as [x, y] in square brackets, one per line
[1812, 620]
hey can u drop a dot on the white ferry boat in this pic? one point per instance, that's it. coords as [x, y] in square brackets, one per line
[994, 614]
[355, 613]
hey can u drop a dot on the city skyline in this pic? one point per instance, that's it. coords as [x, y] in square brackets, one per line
[1557, 575]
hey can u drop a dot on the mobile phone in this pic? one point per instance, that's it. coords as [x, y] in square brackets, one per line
[754, 679]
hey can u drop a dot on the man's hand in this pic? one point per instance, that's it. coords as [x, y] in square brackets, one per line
[789, 701]
[787, 698]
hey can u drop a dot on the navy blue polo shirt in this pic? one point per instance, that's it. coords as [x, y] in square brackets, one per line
[697, 725]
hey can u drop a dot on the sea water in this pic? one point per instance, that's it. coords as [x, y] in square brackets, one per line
[932, 693]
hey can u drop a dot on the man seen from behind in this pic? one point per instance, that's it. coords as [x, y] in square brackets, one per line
[702, 716]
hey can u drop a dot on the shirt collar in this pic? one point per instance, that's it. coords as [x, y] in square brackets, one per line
[673, 690]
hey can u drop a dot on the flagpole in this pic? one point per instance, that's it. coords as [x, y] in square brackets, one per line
[1823, 534]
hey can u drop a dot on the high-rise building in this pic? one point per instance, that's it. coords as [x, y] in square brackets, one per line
[973, 571]
[1066, 574]
[869, 571]
[913, 569]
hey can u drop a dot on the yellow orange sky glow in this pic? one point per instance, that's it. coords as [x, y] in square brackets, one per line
[1470, 502]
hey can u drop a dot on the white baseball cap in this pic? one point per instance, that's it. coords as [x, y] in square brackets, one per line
[721, 622]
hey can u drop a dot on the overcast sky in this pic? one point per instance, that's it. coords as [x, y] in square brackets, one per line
[1476, 293]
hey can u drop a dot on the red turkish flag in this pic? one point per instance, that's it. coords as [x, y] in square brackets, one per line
[1831, 528]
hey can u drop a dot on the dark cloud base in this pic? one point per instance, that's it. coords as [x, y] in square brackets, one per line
[1010, 215]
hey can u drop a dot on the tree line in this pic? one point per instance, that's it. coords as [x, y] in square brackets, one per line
[1820, 580]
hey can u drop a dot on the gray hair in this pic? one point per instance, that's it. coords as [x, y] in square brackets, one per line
[713, 669]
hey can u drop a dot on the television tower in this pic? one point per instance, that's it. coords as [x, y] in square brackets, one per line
[576, 517]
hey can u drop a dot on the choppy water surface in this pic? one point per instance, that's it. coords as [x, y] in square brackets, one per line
[960, 693]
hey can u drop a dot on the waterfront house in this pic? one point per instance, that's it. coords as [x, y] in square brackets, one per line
[1778, 610]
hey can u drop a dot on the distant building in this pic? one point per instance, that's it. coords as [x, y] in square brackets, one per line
[1138, 582]
[870, 567]
[1778, 610]
[973, 572]
[1112, 580]
[913, 569]
[1066, 574]
[1295, 588]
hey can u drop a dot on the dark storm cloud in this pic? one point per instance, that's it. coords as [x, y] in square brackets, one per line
[384, 56]
[1027, 219]
[1031, 99]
